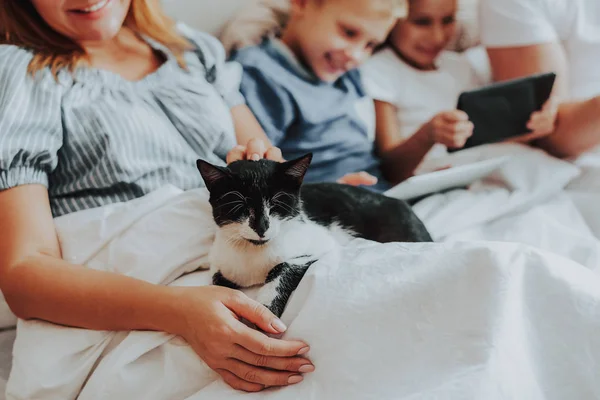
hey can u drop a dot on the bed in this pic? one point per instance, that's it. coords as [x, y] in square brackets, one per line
[7, 337]
[505, 305]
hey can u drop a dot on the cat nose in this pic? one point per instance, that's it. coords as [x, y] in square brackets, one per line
[262, 227]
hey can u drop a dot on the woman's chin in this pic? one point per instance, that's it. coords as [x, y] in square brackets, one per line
[99, 30]
[99, 33]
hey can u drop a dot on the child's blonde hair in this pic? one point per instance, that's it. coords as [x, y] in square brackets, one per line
[398, 8]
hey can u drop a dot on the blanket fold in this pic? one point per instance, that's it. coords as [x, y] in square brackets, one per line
[463, 318]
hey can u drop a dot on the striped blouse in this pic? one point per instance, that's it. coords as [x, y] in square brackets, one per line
[93, 138]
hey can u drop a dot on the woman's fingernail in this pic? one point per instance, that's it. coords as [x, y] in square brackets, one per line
[295, 379]
[303, 350]
[306, 368]
[255, 157]
[279, 326]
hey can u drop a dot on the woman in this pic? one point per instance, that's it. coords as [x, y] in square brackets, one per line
[103, 101]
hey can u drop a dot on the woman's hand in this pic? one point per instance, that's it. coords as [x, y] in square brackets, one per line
[246, 359]
[450, 128]
[255, 150]
[357, 179]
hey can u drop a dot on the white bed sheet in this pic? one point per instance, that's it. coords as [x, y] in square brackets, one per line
[7, 338]
[417, 312]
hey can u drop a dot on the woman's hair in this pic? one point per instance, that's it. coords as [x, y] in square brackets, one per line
[21, 25]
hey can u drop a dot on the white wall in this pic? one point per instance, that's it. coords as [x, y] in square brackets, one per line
[205, 15]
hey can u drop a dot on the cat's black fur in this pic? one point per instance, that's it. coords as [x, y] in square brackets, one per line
[370, 215]
[239, 191]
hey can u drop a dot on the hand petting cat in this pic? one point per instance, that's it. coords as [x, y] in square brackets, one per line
[256, 149]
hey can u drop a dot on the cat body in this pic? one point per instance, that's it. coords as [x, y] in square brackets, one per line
[247, 264]
[271, 228]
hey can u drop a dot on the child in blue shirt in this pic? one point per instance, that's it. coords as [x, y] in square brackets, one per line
[306, 92]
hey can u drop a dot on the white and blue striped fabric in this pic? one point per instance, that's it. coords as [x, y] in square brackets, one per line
[93, 138]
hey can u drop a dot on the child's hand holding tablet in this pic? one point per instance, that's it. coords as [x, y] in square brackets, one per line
[450, 128]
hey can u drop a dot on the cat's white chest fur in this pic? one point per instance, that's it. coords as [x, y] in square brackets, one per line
[247, 265]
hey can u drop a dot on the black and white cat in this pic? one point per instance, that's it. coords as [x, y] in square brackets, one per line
[272, 228]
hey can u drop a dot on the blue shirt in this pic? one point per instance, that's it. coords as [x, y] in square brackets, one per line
[302, 114]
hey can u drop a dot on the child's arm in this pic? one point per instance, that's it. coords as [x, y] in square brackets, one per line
[401, 157]
[260, 123]
[253, 143]
[247, 127]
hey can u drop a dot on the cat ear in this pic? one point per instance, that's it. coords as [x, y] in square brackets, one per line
[211, 173]
[297, 168]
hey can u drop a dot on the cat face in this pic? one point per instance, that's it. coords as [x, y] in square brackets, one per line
[251, 199]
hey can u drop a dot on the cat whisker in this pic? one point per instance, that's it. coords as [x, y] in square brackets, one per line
[235, 209]
[230, 203]
[283, 205]
[281, 194]
[235, 193]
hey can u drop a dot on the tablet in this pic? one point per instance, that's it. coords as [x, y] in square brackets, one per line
[501, 111]
[455, 176]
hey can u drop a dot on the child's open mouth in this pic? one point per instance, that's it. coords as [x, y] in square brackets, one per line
[334, 67]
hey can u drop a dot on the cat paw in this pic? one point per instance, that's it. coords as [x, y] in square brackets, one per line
[219, 280]
[276, 308]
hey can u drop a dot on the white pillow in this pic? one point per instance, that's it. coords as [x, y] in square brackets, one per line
[7, 318]
[204, 15]
[254, 21]
[263, 17]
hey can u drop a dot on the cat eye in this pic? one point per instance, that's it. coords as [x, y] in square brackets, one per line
[230, 205]
[283, 203]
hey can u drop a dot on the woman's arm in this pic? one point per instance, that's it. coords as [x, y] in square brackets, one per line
[515, 62]
[577, 129]
[38, 284]
[577, 123]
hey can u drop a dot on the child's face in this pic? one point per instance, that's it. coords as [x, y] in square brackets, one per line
[334, 36]
[422, 36]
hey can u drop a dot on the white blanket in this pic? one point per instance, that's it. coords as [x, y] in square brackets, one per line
[451, 320]
[535, 199]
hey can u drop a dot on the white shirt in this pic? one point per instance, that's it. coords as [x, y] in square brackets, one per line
[574, 23]
[418, 95]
